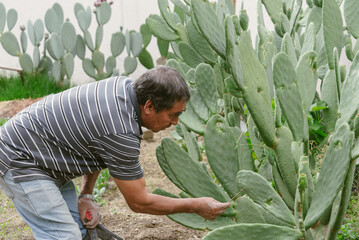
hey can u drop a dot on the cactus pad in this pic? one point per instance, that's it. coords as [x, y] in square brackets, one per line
[82, 20]
[38, 31]
[160, 30]
[195, 221]
[247, 211]
[198, 106]
[167, 15]
[191, 121]
[68, 36]
[307, 78]
[262, 193]
[130, 64]
[11, 18]
[200, 44]
[254, 232]
[10, 44]
[210, 25]
[103, 13]
[288, 93]
[274, 8]
[232, 53]
[190, 174]
[56, 70]
[99, 36]
[146, 59]
[23, 41]
[218, 138]
[162, 161]
[332, 174]
[206, 85]
[69, 65]
[146, 34]
[351, 11]
[80, 47]
[26, 63]
[89, 67]
[285, 161]
[332, 29]
[2, 17]
[348, 106]
[36, 57]
[189, 55]
[88, 41]
[110, 64]
[136, 43]
[330, 96]
[256, 90]
[52, 22]
[117, 43]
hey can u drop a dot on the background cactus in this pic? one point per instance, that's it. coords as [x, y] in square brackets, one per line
[260, 113]
[61, 43]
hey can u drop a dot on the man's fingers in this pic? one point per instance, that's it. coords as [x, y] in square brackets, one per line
[224, 206]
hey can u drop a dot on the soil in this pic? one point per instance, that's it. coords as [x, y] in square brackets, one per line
[116, 215]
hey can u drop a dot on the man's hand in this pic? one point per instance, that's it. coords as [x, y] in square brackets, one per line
[210, 208]
[89, 213]
[139, 200]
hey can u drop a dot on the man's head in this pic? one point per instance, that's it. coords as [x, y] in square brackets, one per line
[162, 95]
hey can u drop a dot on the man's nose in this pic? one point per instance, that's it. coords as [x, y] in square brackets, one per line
[174, 121]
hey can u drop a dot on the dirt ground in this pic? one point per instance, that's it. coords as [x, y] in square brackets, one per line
[116, 215]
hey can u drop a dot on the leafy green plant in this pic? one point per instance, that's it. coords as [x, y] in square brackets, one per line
[350, 228]
[233, 90]
[349, 231]
[101, 186]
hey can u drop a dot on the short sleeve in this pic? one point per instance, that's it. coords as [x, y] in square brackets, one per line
[120, 153]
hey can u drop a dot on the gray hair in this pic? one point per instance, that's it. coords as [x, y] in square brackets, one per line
[163, 86]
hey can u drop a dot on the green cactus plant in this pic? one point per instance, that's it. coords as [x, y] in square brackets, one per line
[61, 44]
[259, 108]
[98, 66]
[35, 32]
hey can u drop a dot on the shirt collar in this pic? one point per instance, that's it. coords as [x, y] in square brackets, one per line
[133, 98]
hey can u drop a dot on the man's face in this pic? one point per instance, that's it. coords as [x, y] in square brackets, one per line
[157, 121]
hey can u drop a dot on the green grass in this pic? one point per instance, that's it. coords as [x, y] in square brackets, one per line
[34, 86]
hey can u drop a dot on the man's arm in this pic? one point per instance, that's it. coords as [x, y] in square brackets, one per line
[88, 182]
[140, 201]
[86, 204]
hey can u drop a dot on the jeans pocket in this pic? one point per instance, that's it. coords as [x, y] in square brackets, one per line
[5, 188]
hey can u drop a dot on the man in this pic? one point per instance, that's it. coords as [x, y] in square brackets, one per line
[80, 131]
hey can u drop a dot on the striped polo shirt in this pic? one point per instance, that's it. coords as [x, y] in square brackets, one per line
[79, 131]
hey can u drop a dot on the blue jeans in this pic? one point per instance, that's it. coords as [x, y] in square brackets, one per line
[50, 211]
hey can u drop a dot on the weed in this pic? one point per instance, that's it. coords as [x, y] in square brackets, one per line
[100, 186]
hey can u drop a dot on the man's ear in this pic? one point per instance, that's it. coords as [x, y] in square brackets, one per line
[148, 107]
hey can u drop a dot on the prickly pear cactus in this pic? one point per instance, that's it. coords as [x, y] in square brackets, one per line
[257, 112]
[99, 66]
[61, 43]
